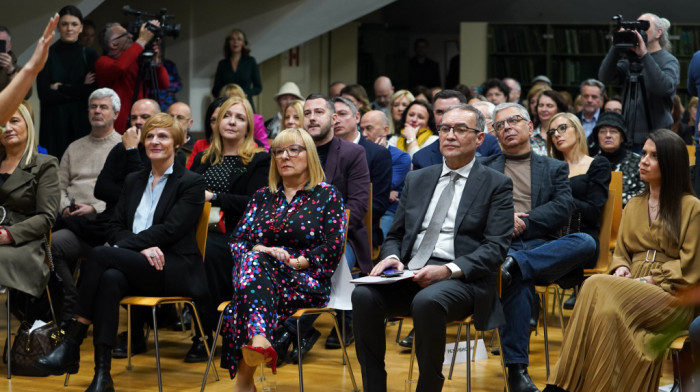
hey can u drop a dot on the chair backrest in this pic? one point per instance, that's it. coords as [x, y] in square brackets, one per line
[691, 154]
[203, 228]
[616, 185]
[368, 219]
[604, 237]
[347, 221]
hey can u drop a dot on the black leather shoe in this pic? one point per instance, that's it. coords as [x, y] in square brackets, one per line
[65, 358]
[198, 353]
[569, 303]
[138, 345]
[102, 381]
[508, 269]
[519, 380]
[307, 342]
[554, 388]
[332, 341]
[408, 340]
[281, 342]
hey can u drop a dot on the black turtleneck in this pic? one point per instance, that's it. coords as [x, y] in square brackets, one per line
[616, 156]
[323, 153]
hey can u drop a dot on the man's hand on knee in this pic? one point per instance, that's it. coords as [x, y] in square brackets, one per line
[431, 274]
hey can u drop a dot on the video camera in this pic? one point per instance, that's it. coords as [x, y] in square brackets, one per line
[165, 29]
[627, 38]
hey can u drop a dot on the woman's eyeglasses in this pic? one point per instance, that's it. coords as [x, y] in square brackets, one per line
[560, 130]
[292, 150]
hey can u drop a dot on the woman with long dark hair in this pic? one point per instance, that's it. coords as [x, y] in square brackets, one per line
[417, 127]
[623, 322]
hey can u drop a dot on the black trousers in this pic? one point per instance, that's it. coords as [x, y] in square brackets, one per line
[109, 275]
[431, 307]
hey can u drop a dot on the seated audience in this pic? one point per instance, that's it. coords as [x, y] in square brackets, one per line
[210, 120]
[383, 91]
[294, 115]
[398, 104]
[592, 98]
[496, 91]
[538, 254]
[278, 266]
[549, 103]
[233, 169]
[260, 135]
[454, 252]
[686, 128]
[417, 128]
[154, 251]
[623, 322]
[375, 128]
[608, 139]
[613, 104]
[29, 197]
[182, 113]
[288, 92]
[357, 95]
[589, 178]
[532, 96]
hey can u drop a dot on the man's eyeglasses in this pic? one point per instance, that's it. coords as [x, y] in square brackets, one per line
[498, 126]
[458, 129]
[120, 36]
[292, 150]
[560, 130]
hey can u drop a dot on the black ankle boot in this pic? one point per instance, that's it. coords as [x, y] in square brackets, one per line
[102, 382]
[65, 358]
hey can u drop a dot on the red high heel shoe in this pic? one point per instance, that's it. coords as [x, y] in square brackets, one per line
[254, 356]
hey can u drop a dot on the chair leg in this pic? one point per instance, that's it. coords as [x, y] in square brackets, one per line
[346, 358]
[469, 364]
[8, 344]
[413, 356]
[210, 350]
[561, 309]
[546, 337]
[454, 351]
[503, 362]
[155, 337]
[129, 366]
[211, 353]
[301, 371]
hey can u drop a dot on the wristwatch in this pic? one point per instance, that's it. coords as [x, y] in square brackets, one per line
[409, 141]
[214, 196]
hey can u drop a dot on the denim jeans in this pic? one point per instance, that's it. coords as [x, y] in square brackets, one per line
[386, 221]
[542, 262]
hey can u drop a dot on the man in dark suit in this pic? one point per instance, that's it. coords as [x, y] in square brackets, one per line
[592, 97]
[345, 166]
[430, 155]
[454, 253]
[542, 204]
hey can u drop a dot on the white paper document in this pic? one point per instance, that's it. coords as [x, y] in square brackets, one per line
[382, 280]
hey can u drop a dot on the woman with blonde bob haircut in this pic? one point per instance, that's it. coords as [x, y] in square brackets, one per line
[285, 250]
[167, 122]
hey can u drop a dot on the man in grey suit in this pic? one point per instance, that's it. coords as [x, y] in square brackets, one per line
[542, 205]
[454, 242]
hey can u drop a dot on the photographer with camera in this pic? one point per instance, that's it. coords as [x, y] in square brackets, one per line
[118, 68]
[649, 109]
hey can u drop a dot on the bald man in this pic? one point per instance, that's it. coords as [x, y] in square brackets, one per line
[183, 114]
[383, 91]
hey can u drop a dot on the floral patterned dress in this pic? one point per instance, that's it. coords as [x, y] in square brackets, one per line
[265, 290]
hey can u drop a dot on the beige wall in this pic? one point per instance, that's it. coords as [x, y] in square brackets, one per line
[473, 59]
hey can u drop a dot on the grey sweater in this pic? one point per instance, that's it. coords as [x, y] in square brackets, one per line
[661, 74]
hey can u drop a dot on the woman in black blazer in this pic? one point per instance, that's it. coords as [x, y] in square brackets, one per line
[154, 251]
[233, 168]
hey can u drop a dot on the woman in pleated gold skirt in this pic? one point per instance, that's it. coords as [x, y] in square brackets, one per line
[623, 322]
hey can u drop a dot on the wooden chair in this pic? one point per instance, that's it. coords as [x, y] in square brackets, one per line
[601, 267]
[674, 351]
[374, 253]
[691, 154]
[616, 185]
[154, 302]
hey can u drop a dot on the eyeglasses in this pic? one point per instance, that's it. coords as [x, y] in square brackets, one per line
[292, 150]
[560, 130]
[498, 126]
[609, 131]
[458, 129]
[120, 36]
